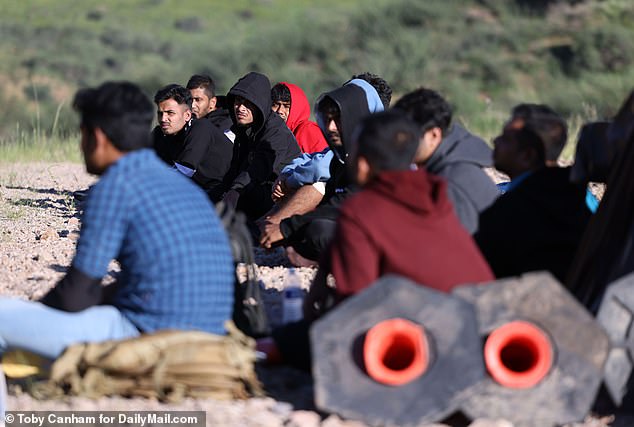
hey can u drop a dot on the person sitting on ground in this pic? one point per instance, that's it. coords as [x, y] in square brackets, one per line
[263, 146]
[538, 223]
[291, 104]
[309, 172]
[307, 235]
[206, 104]
[176, 264]
[196, 148]
[450, 151]
[381, 227]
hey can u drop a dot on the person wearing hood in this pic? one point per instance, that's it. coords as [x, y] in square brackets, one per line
[338, 113]
[538, 223]
[314, 168]
[291, 104]
[452, 152]
[207, 105]
[263, 146]
[196, 148]
[381, 227]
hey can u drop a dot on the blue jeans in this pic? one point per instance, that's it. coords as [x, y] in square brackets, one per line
[46, 331]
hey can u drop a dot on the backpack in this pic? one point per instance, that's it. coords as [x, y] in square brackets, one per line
[249, 314]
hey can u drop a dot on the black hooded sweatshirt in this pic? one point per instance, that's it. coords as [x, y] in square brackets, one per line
[459, 159]
[220, 117]
[199, 146]
[353, 107]
[262, 149]
[535, 226]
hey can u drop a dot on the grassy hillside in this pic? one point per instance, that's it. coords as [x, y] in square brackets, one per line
[485, 55]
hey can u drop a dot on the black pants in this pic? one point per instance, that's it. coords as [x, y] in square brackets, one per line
[312, 240]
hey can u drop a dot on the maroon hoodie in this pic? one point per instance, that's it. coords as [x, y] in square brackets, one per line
[307, 133]
[403, 223]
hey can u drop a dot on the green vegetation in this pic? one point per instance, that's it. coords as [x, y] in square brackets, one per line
[484, 55]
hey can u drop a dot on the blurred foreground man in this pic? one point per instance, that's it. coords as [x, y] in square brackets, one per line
[176, 265]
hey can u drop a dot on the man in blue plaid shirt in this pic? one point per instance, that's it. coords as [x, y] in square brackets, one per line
[176, 263]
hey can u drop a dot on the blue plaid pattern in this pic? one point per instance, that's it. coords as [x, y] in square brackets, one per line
[177, 268]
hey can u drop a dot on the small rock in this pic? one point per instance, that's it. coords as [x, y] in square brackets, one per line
[48, 234]
[335, 421]
[73, 222]
[303, 419]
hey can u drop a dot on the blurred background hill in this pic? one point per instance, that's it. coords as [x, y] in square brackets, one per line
[484, 55]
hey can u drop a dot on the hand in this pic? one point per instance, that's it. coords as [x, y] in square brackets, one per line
[271, 235]
[280, 189]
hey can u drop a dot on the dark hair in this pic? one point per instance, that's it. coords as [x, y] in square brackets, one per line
[547, 124]
[203, 82]
[382, 88]
[176, 92]
[328, 106]
[427, 108]
[388, 140]
[280, 92]
[121, 110]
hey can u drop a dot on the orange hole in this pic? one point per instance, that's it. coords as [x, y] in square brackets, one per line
[518, 355]
[395, 352]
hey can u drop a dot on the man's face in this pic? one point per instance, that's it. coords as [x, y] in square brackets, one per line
[243, 109]
[282, 108]
[89, 151]
[507, 153]
[201, 103]
[172, 116]
[429, 141]
[333, 124]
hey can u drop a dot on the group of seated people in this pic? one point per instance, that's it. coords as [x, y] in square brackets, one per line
[365, 191]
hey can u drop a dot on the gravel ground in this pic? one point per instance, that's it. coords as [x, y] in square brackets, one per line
[39, 225]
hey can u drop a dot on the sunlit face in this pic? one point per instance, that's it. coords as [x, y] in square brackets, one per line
[282, 108]
[201, 103]
[243, 109]
[172, 116]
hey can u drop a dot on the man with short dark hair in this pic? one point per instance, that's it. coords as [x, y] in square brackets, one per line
[207, 104]
[196, 148]
[176, 265]
[538, 223]
[263, 146]
[450, 151]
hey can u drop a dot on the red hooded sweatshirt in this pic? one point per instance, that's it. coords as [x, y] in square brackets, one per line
[307, 133]
[403, 223]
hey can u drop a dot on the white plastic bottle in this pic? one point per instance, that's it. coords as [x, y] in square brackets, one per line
[293, 298]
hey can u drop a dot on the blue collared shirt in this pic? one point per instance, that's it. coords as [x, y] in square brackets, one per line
[176, 264]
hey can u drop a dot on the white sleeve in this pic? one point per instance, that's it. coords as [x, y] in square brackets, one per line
[321, 187]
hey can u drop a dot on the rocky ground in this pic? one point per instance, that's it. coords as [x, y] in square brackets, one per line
[39, 224]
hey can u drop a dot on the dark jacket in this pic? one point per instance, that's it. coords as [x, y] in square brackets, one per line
[220, 117]
[201, 147]
[383, 229]
[264, 148]
[535, 226]
[459, 159]
[353, 106]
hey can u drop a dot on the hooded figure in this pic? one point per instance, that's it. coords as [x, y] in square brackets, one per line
[310, 234]
[307, 133]
[261, 148]
[460, 159]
